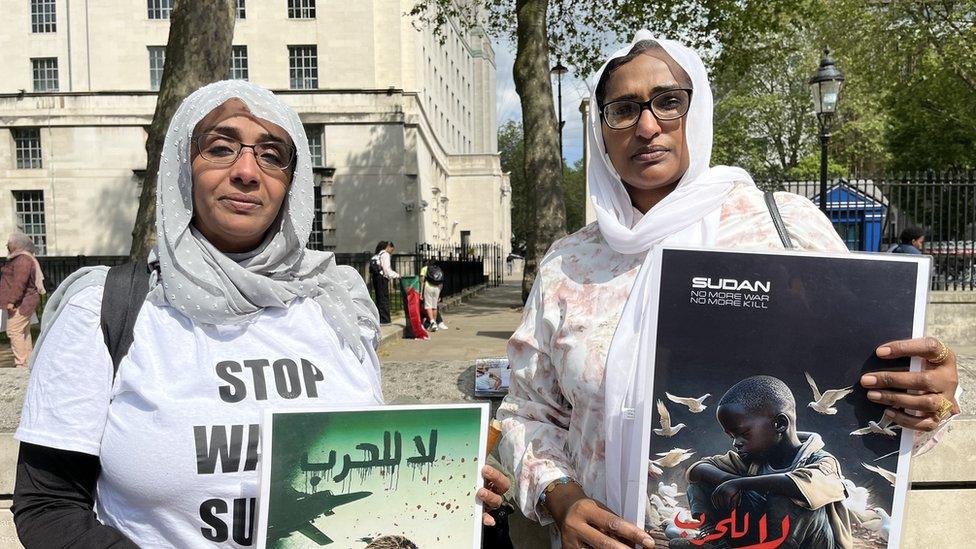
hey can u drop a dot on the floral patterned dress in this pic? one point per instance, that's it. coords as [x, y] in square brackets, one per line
[553, 416]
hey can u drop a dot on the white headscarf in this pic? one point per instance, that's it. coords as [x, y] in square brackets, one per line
[212, 287]
[689, 215]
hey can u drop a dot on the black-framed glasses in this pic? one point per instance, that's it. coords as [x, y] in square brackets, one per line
[222, 149]
[667, 105]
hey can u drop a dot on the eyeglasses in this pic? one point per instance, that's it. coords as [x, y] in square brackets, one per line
[668, 105]
[221, 149]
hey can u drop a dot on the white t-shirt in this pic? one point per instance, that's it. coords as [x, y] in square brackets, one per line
[177, 431]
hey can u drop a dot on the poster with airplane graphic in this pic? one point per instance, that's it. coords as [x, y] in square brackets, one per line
[369, 477]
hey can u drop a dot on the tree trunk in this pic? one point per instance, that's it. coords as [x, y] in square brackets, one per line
[198, 52]
[542, 163]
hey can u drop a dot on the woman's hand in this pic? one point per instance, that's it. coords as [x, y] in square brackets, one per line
[931, 387]
[584, 522]
[496, 484]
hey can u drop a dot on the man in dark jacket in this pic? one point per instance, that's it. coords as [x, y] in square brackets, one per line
[912, 240]
[21, 285]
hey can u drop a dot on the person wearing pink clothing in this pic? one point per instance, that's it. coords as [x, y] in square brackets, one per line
[21, 287]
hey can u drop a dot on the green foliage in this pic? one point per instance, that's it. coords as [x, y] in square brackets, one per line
[512, 152]
[574, 187]
[580, 31]
[808, 169]
[906, 104]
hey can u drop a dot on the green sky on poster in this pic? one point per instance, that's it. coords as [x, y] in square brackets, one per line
[433, 506]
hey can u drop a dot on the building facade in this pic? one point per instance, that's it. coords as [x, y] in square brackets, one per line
[401, 126]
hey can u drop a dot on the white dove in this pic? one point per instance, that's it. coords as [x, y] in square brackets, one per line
[882, 427]
[666, 430]
[823, 403]
[673, 531]
[876, 520]
[672, 457]
[651, 514]
[665, 511]
[857, 497]
[888, 475]
[694, 404]
[669, 493]
[653, 470]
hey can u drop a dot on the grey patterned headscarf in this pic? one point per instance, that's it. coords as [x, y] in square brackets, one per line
[212, 287]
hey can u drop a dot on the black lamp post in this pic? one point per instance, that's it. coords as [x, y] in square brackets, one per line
[825, 87]
[559, 70]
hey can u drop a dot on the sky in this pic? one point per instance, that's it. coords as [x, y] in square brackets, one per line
[574, 90]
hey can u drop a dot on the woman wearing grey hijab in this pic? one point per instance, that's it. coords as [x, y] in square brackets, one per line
[240, 317]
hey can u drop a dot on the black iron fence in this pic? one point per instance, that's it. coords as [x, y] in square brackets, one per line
[870, 213]
[464, 267]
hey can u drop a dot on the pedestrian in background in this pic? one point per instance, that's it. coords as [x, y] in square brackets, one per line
[912, 239]
[431, 284]
[21, 288]
[381, 273]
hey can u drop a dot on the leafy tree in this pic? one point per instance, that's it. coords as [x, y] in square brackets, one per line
[198, 52]
[808, 169]
[574, 189]
[511, 152]
[578, 31]
[907, 100]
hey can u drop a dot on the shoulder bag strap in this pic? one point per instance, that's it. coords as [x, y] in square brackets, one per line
[784, 234]
[124, 293]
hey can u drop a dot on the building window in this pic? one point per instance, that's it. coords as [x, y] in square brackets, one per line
[303, 67]
[27, 146]
[159, 9]
[314, 133]
[316, 240]
[43, 18]
[45, 71]
[238, 63]
[157, 60]
[301, 9]
[241, 11]
[29, 210]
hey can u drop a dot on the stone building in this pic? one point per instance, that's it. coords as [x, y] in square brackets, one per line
[401, 126]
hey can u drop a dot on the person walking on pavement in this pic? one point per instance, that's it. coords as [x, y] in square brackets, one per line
[381, 273]
[21, 288]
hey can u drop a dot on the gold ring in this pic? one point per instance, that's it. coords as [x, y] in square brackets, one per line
[943, 353]
[945, 409]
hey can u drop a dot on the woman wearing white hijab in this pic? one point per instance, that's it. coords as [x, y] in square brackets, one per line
[240, 317]
[576, 358]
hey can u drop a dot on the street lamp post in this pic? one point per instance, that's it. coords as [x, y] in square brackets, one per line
[559, 70]
[825, 88]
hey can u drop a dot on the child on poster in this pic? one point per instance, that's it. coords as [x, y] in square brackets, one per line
[773, 471]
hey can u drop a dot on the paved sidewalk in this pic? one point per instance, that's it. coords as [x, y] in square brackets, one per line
[441, 369]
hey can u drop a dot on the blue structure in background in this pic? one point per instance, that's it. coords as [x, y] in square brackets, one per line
[857, 211]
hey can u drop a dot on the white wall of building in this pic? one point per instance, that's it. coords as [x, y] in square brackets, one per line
[406, 120]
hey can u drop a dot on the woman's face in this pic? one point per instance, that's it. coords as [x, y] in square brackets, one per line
[651, 155]
[235, 204]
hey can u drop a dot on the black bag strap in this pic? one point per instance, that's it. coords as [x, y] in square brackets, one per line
[784, 234]
[124, 293]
